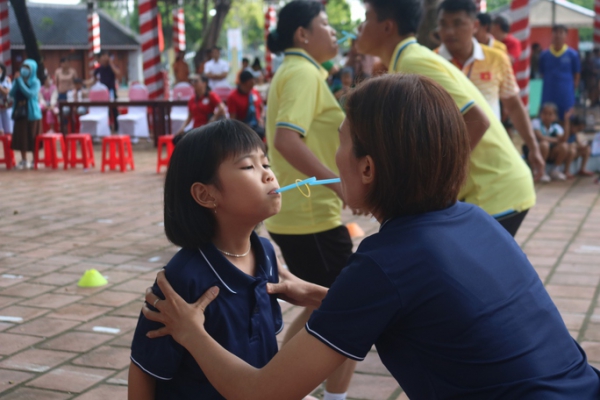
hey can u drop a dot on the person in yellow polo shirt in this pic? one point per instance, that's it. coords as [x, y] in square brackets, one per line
[489, 70]
[499, 181]
[303, 118]
[483, 35]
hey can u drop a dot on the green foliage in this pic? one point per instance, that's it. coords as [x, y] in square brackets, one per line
[47, 22]
[249, 16]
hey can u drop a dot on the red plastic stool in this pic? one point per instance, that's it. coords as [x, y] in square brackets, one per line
[50, 150]
[167, 142]
[111, 145]
[9, 155]
[87, 150]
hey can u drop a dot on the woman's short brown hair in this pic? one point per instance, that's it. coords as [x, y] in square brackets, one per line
[417, 138]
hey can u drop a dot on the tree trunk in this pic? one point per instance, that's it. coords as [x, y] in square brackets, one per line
[211, 34]
[428, 24]
[31, 44]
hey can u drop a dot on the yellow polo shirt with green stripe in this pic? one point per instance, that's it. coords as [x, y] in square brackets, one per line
[499, 181]
[299, 99]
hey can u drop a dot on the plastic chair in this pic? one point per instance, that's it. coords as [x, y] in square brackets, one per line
[9, 155]
[87, 150]
[51, 157]
[179, 114]
[167, 142]
[222, 92]
[96, 121]
[116, 150]
[135, 122]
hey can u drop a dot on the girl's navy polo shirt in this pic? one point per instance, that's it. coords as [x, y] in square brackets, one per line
[244, 319]
[455, 310]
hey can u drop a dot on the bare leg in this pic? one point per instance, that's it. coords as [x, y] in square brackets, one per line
[339, 380]
[571, 155]
[545, 149]
[560, 153]
[585, 151]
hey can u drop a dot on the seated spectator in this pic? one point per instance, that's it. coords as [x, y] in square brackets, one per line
[246, 105]
[552, 139]
[79, 93]
[345, 84]
[258, 72]
[577, 148]
[245, 67]
[48, 99]
[204, 107]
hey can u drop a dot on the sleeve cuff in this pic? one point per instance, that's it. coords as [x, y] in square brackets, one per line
[162, 378]
[291, 126]
[467, 106]
[332, 346]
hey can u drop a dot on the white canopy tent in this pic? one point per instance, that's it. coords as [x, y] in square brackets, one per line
[566, 13]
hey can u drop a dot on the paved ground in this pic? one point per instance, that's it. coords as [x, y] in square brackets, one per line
[54, 225]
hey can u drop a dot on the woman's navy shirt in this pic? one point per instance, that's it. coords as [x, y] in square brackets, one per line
[244, 319]
[455, 310]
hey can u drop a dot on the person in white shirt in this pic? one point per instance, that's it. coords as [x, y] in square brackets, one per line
[5, 106]
[216, 70]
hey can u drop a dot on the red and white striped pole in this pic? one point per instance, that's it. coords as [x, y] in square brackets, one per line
[93, 35]
[270, 23]
[481, 5]
[179, 28]
[4, 37]
[519, 13]
[148, 11]
[597, 24]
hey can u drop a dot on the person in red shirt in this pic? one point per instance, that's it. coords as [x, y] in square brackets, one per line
[204, 107]
[500, 29]
[246, 105]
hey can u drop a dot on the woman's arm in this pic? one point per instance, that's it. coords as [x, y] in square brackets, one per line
[29, 92]
[296, 291]
[141, 386]
[298, 368]
[186, 123]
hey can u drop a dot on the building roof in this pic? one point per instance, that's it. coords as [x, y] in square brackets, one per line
[65, 27]
[566, 13]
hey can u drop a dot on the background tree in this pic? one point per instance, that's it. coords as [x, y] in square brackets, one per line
[31, 45]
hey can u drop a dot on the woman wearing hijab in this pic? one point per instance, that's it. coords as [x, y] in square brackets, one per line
[26, 110]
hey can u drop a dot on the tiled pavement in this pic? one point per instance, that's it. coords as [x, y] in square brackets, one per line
[54, 225]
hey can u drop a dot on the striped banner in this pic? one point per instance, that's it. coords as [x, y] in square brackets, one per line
[148, 11]
[597, 24]
[5, 37]
[93, 39]
[178, 29]
[519, 15]
[481, 5]
[270, 23]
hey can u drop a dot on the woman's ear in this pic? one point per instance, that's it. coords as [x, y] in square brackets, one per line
[203, 195]
[366, 167]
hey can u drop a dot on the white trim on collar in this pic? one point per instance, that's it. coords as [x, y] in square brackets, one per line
[477, 53]
[215, 272]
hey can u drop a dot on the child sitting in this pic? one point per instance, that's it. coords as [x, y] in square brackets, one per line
[577, 148]
[552, 140]
[219, 186]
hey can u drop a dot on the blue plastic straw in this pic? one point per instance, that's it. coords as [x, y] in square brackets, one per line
[325, 182]
[346, 36]
[309, 181]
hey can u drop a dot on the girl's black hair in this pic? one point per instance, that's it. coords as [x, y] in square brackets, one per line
[197, 158]
[295, 14]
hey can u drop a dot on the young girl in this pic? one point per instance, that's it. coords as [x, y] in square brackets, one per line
[552, 140]
[218, 188]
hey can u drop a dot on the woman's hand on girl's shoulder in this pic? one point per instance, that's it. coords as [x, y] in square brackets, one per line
[182, 320]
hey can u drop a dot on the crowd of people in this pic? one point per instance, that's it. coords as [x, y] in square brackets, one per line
[443, 291]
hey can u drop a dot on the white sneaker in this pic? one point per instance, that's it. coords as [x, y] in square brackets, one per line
[545, 178]
[22, 164]
[557, 175]
[135, 140]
